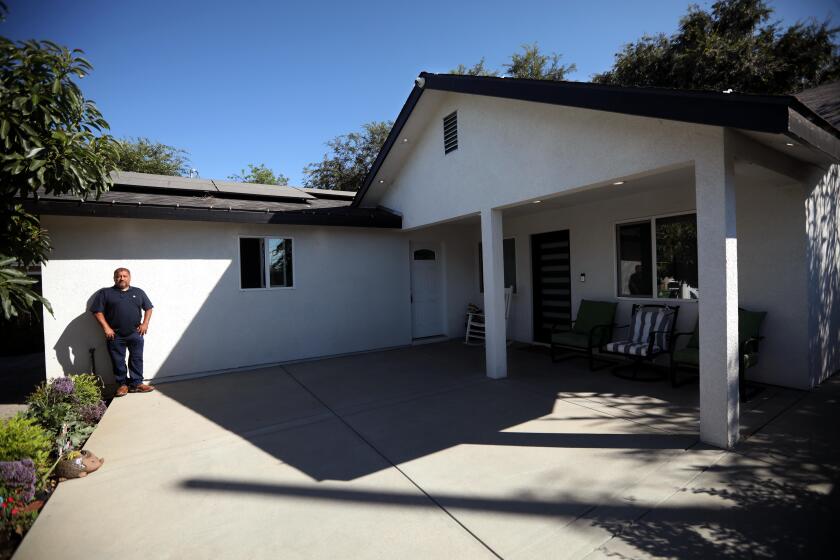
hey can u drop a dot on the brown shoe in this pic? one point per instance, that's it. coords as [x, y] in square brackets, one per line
[122, 391]
[141, 388]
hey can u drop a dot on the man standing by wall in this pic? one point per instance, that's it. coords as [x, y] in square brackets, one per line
[118, 311]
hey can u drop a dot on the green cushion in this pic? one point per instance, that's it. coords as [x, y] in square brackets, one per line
[687, 356]
[593, 313]
[694, 341]
[749, 323]
[570, 338]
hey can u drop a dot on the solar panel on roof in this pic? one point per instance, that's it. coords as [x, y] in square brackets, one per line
[148, 180]
[329, 193]
[262, 191]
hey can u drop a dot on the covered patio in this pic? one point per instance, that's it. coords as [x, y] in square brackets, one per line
[415, 452]
[739, 209]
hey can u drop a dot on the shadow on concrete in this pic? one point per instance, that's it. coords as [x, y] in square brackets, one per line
[754, 514]
[415, 402]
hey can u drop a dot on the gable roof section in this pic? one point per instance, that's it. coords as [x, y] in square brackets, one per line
[823, 100]
[143, 195]
[759, 113]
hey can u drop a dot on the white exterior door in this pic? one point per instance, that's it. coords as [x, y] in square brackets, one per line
[426, 300]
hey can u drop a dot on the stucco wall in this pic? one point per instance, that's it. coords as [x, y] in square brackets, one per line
[500, 138]
[772, 276]
[823, 272]
[350, 293]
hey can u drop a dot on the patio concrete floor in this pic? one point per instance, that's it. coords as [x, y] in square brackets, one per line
[413, 453]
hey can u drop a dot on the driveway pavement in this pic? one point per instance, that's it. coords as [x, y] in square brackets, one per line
[413, 453]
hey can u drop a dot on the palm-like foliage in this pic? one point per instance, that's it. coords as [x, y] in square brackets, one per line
[16, 293]
[52, 141]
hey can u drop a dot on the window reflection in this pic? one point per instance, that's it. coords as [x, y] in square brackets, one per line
[676, 257]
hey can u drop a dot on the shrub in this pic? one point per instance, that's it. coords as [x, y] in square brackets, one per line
[87, 390]
[23, 438]
[66, 400]
[50, 405]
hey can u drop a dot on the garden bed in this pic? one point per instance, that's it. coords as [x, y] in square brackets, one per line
[39, 443]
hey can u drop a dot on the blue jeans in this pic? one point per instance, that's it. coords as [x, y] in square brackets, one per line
[117, 347]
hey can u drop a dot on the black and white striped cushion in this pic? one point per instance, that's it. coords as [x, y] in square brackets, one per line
[646, 322]
[630, 348]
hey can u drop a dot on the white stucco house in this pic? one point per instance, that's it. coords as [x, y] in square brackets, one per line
[478, 176]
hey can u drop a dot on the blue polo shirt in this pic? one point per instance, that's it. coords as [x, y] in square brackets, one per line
[121, 308]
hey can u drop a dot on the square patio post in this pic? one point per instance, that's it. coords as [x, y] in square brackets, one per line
[495, 335]
[718, 298]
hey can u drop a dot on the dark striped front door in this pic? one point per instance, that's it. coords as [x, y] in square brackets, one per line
[552, 282]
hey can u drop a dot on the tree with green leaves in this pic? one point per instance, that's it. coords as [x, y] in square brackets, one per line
[478, 69]
[534, 65]
[53, 140]
[733, 46]
[146, 156]
[260, 174]
[351, 156]
[531, 63]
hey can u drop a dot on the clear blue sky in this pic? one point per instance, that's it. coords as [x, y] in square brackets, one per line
[271, 81]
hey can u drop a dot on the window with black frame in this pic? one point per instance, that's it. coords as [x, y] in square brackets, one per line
[674, 246]
[265, 262]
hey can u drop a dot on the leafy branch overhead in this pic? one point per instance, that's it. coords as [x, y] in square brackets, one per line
[52, 140]
[52, 136]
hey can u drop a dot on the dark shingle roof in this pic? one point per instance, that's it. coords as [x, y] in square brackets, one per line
[824, 100]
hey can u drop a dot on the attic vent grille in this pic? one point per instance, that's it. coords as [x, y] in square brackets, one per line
[450, 132]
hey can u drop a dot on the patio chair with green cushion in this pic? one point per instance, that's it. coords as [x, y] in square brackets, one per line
[749, 338]
[591, 329]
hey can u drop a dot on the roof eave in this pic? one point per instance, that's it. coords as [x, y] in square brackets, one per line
[402, 118]
[342, 216]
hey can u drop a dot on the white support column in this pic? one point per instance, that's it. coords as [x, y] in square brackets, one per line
[495, 334]
[717, 254]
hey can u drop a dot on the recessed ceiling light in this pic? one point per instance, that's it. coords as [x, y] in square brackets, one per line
[618, 183]
[405, 140]
[381, 181]
[789, 144]
[537, 201]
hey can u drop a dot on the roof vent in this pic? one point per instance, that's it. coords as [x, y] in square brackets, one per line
[450, 132]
